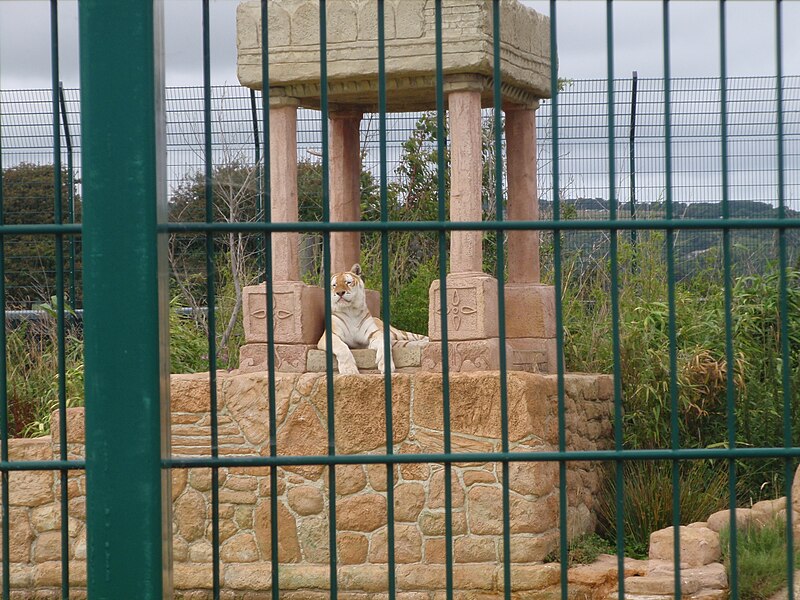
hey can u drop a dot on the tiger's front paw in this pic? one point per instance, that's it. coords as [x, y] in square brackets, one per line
[382, 369]
[348, 368]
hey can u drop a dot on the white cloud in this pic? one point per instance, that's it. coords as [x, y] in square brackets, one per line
[25, 39]
[694, 38]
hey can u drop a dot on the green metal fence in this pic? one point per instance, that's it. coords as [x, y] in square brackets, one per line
[124, 234]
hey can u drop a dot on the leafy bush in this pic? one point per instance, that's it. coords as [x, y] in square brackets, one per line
[583, 550]
[702, 371]
[188, 343]
[409, 308]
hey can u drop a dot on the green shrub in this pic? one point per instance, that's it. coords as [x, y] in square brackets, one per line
[760, 559]
[409, 308]
[583, 550]
[702, 370]
[188, 343]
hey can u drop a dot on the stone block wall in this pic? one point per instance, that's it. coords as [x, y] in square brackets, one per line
[361, 505]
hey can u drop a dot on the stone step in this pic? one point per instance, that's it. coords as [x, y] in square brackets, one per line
[405, 357]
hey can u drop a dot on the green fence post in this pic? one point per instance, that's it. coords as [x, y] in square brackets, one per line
[124, 194]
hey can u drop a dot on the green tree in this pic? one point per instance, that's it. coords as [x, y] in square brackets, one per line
[30, 264]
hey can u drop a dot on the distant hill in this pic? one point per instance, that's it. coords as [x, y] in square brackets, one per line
[752, 249]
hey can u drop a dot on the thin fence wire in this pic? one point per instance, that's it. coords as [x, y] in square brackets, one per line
[583, 145]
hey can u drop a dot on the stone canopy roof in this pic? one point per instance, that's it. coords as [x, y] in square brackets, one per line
[352, 56]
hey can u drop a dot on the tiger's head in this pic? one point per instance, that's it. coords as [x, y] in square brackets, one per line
[347, 290]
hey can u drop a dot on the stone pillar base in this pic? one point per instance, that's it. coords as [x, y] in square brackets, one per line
[530, 310]
[472, 325]
[298, 312]
[289, 358]
[531, 323]
[471, 308]
[537, 355]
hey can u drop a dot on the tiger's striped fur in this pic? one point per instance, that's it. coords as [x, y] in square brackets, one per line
[352, 325]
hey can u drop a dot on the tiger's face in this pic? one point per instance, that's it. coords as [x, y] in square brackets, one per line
[347, 289]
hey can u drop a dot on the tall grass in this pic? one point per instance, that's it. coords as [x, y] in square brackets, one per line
[32, 378]
[32, 359]
[760, 559]
[702, 369]
[647, 499]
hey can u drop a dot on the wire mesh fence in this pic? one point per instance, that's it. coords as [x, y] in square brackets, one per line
[697, 184]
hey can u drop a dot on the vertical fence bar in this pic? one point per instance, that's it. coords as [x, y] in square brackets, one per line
[558, 283]
[266, 192]
[441, 191]
[257, 160]
[501, 326]
[632, 146]
[326, 276]
[58, 219]
[127, 385]
[70, 194]
[674, 390]
[730, 391]
[783, 282]
[612, 205]
[4, 495]
[211, 301]
[387, 348]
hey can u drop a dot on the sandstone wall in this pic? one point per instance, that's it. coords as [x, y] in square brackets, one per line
[361, 506]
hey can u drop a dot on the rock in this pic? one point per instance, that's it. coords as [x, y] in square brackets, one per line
[698, 545]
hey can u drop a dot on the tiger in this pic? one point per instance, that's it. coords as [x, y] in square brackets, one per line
[352, 325]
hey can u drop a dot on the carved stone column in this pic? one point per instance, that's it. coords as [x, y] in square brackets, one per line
[464, 109]
[523, 200]
[298, 315]
[530, 306]
[283, 178]
[345, 187]
[472, 315]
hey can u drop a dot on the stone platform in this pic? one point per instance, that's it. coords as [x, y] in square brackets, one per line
[303, 491]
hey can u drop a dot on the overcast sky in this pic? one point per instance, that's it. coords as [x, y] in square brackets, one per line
[25, 36]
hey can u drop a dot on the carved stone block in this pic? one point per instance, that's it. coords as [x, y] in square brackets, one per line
[530, 310]
[298, 311]
[410, 50]
[289, 358]
[469, 355]
[471, 308]
[533, 354]
[403, 356]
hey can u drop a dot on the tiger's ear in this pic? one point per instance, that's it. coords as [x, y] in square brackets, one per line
[356, 269]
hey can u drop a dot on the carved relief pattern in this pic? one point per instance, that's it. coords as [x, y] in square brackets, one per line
[459, 308]
[284, 308]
